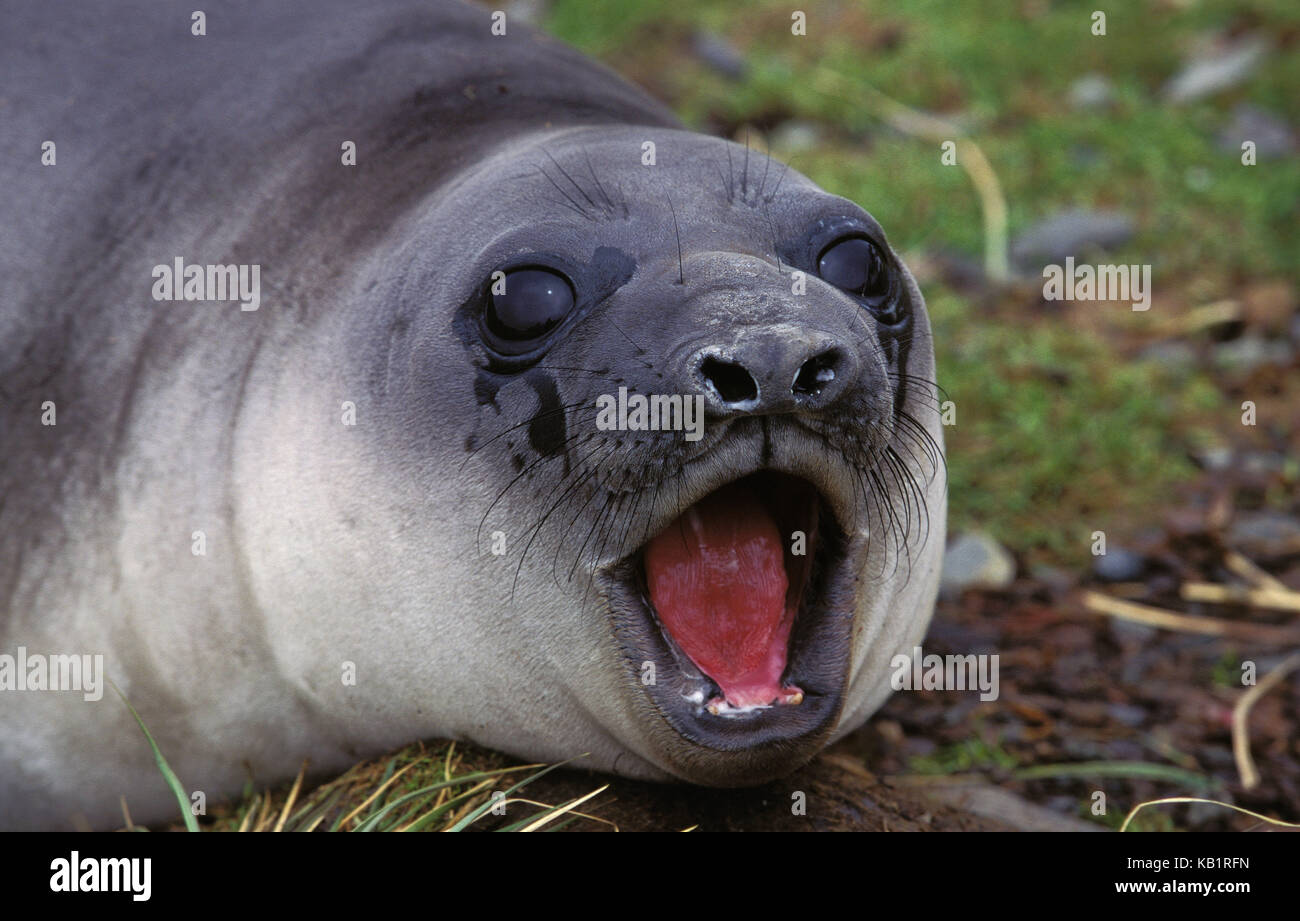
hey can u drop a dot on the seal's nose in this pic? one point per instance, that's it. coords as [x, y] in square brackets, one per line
[775, 372]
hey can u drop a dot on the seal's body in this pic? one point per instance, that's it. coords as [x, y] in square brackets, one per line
[394, 501]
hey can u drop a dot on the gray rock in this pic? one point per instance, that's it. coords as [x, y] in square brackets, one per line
[795, 135]
[719, 54]
[1273, 137]
[959, 270]
[975, 560]
[531, 12]
[1250, 352]
[1265, 534]
[1071, 233]
[1295, 329]
[1091, 91]
[1215, 70]
[1216, 458]
[1118, 565]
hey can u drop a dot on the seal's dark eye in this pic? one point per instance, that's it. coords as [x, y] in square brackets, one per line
[855, 265]
[528, 303]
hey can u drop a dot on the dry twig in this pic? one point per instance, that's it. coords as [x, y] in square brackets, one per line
[1188, 623]
[1241, 712]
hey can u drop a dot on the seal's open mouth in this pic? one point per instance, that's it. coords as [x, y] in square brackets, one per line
[727, 580]
[743, 605]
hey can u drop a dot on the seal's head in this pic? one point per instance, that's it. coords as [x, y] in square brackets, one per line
[707, 438]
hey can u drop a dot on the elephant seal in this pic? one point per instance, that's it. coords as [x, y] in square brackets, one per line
[548, 425]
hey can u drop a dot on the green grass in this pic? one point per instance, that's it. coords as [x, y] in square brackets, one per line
[974, 754]
[444, 789]
[411, 790]
[1227, 673]
[1056, 436]
[168, 775]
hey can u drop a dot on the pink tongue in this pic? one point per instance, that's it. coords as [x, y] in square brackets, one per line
[718, 584]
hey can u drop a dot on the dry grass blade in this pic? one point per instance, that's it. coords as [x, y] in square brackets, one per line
[1284, 600]
[1241, 713]
[567, 807]
[446, 775]
[473, 815]
[126, 815]
[247, 822]
[268, 814]
[1196, 799]
[1188, 623]
[1198, 318]
[1241, 566]
[580, 815]
[293, 796]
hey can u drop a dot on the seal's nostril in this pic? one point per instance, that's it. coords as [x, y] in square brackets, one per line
[816, 374]
[732, 382]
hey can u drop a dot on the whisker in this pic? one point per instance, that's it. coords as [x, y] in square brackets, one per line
[565, 174]
[779, 180]
[681, 271]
